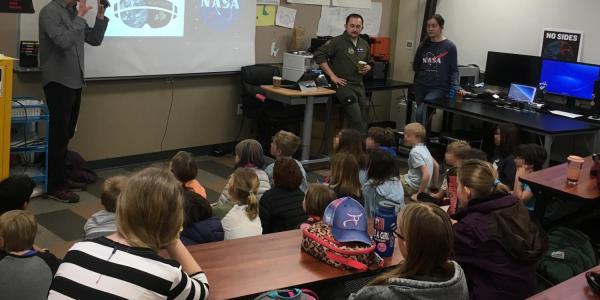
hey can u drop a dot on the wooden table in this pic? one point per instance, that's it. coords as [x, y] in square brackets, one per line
[248, 266]
[575, 288]
[549, 183]
[296, 97]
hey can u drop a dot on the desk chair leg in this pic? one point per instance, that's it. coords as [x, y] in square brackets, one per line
[307, 130]
[548, 139]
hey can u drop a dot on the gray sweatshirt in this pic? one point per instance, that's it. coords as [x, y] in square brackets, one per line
[102, 223]
[402, 288]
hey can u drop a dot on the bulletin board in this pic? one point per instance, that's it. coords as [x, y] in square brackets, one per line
[308, 17]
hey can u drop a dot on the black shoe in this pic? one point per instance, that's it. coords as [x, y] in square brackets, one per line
[75, 185]
[64, 195]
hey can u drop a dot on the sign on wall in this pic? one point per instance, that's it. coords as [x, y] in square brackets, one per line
[562, 45]
[16, 6]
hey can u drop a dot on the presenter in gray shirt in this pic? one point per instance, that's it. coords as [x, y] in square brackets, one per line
[436, 68]
[63, 32]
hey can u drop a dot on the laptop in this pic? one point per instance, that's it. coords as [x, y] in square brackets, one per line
[308, 82]
[521, 93]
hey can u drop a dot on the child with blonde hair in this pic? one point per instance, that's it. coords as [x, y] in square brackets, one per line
[495, 240]
[421, 165]
[26, 273]
[285, 144]
[104, 222]
[248, 154]
[126, 264]
[427, 271]
[318, 196]
[242, 220]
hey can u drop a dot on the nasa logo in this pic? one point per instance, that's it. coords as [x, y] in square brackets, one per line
[219, 14]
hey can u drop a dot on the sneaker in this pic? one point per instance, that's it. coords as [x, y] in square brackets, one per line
[65, 196]
[75, 186]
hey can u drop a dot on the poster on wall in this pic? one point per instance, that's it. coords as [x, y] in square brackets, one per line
[16, 6]
[562, 45]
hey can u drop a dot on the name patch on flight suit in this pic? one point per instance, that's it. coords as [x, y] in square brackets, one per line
[361, 52]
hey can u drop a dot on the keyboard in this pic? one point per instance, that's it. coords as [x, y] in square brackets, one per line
[564, 114]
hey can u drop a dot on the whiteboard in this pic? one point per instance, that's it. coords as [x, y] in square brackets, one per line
[515, 26]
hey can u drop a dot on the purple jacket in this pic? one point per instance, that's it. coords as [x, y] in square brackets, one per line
[497, 245]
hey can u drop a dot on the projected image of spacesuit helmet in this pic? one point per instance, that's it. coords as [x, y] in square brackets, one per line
[137, 13]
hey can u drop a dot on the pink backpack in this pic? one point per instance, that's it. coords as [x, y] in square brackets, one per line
[319, 242]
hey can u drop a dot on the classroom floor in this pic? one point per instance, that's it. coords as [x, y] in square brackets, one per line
[60, 225]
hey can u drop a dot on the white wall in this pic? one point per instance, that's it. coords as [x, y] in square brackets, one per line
[515, 26]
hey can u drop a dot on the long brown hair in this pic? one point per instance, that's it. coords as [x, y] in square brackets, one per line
[353, 142]
[344, 174]
[244, 186]
[481, 177]
[427, 231]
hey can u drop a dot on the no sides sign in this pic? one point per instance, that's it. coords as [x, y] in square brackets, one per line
[562, 45]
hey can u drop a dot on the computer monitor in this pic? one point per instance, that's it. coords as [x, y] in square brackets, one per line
[569, 79]
[522, 93]
[502, 69]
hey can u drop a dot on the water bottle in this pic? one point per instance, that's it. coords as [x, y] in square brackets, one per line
[384, 222]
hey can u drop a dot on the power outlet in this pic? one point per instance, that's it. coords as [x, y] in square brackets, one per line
[239, 110]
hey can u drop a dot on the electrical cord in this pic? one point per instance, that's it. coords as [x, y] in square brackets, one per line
[171, 81]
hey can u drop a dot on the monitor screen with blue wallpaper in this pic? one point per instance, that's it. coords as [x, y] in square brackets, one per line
[569, 79]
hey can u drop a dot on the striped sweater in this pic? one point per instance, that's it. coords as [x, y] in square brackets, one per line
[104, 269]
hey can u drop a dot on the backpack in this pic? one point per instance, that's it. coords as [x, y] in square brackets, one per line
[318, 241]
[292, 294]
[569, 253]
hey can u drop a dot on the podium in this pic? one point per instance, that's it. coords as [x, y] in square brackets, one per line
[6, 77]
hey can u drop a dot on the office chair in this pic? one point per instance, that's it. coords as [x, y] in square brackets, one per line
[270, 115]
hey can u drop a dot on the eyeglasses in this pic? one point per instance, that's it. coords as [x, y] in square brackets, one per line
[137, 13]
[396, 233]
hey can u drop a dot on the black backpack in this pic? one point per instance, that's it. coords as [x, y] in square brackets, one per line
[570, 252]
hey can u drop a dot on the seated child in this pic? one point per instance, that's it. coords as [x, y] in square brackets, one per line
[528, 158]
[318, 196]
[127, 264]
[351, 141]
[344, 177]
[248, 154]
[495, 241]
[421, 165]
[242, 220]
[383, 184]
[448, 188]
[381, 138]
[15, 192]
[285, 144]
[185, 169]
[104, 222]
[281, 206]
[427, 271]
[199, 226]
[25, 272]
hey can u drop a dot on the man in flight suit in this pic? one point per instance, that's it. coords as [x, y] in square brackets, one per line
[339, 58]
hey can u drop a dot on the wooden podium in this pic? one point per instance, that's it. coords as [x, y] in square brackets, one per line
[6, 76]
